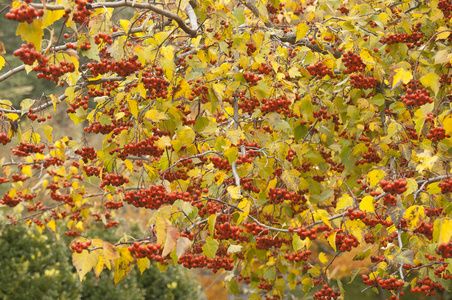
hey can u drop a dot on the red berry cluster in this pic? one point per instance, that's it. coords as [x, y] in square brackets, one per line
[353, 62]
[72, 233]
[113, 180]
[53, 72]
[320, 70]
[304, 232]
[414, 39]
[81, 15]
[250, 48]
[220, 163]
[255, 229]
[278, 105]
[327, 293]
[103, 38]
[425, 229]
[24, 13]
[122, 68]
[389, 200]
[155, 83]
[434, 212]
[391, 284]
[343, 10]
[358, 81]
[396, 187]
[142, 148]
[446, 186]
[189, 260]
[344, 242]
[4, 139]
[427, 287]
[87, 153]
[370, 157]
[28, 54]
[437, 134]
[251, 79]
[416, 96]
[24, 149]
[299, 256]
[111, 224]
[446, 7]
[79, 246]
[151, 251]
[226, 231]
[154, 197]
[355, 214]
[91, 171]
[113, 205]
[445, 250]
[79, 101]
[266, 242]
[369, 239]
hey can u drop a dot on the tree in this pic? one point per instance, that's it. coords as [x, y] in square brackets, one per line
[269, 138]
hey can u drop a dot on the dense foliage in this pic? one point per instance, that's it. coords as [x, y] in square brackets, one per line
[38, 266]
[269, 138]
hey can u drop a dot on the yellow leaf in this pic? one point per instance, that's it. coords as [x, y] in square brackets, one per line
[109, 251]
[85, 262]
[446, 231]
[122, 264]
[27, 170]
[186, 136]
[401, 76]
[99, 266]
[411, 186]
[355, 227]
[291, 179]
[133, 107]
[344, 202]
[31, 32]
[322, 257]
[367, 57]
[431, 80]
[50, 16]
[234, 192]
[374, 177]
[302, 29]
[52, 225]
[154, 115]
[332, 240]
[2, 62]
[447, 124]
[414, 215]
[143, 264]
[244, 205]
[125, 24]
[234, 136]
[367, 204]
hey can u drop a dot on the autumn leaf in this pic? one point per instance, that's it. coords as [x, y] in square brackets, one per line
[85, 261]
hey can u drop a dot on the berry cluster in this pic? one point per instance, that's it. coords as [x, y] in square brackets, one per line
[343, 10]
[28, 54]
[154, 197]
[72, 233]
[414, 39]
[226, 231]
[24, 13]
[416, 96]
[189, 260]
[353, 62]
[266, 242]
[445, 250]
[299, 256]
[396, 187]
[446, 7]
[154, 83]
[113, 180]
[434, 212]
[437, 134]
[427, 287]
[87, 153]
[355, 214]
[79, 246]
[151, 251]
[53, 72]
[220, 163]
[358, 81]
[344, 243]
[389, 200]
[255, 229]
[250, 48]
[4, 139]
[103, 38]
[370, 157]
[320, 70]
[446, 186]
[278, 105]
[91, 171]
[122, 68]
[391, 284]
[327, 293]
[82, 13]
[24, 149]
[425, 229]
[251, 79]
[142, 148]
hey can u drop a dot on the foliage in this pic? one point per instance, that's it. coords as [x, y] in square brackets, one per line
[269, 138]
[37, 266]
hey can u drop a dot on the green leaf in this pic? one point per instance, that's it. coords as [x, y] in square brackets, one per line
[210, 247]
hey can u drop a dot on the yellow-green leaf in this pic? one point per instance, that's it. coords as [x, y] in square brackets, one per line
[122, 264]
[367, 204]
[414, 215]
[85, 262]
[344, 202]
[291, 179]
[374, 177]
[31, 32]
[431, 80]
